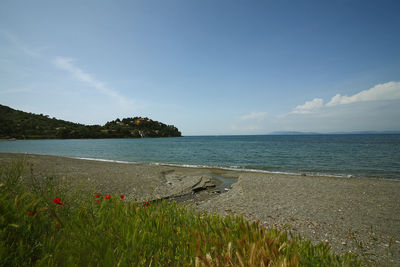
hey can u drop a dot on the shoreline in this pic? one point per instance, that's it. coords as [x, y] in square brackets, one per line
[227, 168]
[338, 210]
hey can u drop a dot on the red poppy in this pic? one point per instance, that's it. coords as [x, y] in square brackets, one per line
[147, 204]
[57, 200]
[107, 197]
[122, 196]
[31, 213]
[97, 196]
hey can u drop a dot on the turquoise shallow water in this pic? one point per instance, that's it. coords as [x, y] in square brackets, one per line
[344, 155]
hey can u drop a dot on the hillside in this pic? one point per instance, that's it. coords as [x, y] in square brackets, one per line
[22, 125]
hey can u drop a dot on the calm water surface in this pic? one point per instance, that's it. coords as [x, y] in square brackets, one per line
[344, 155]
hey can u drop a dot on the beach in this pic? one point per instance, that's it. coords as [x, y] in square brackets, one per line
[360, 215]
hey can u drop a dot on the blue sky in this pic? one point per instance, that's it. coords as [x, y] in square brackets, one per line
[208, 67]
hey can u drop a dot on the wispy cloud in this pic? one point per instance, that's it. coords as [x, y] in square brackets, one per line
[254, 116]
[67, 65]
[33, 52]
[15, 90]
[252, 122]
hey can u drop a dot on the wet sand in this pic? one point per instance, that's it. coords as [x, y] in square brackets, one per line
[351, 214]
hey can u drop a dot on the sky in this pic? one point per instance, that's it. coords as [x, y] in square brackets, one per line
[209, 67]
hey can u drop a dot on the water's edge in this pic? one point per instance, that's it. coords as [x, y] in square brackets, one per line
[364, 156]
[235, 169]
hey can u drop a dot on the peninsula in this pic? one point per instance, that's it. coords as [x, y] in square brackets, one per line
[16, 124]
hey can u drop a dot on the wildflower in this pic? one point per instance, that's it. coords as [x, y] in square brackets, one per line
[97, 196]
[31, 213]
[147, 204]
[122, 196]
[98, 200]
[107, 197]
[57, 200]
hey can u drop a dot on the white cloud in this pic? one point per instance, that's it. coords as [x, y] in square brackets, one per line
[66, 64]
[254, 116]
[377, 108]
[385, 91]
[380, 92]
[309, 106]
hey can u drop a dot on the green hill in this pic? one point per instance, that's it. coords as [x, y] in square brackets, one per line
[23, 125]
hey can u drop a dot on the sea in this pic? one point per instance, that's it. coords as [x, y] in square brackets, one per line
[347, 155]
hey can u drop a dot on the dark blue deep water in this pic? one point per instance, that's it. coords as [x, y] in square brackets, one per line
[356, 155]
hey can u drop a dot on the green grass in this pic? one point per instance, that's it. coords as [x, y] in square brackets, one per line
[34, 230]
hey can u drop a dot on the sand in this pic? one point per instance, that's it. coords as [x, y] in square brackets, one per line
[352, 214]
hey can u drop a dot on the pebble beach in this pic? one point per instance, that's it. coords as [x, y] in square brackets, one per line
[359, 215]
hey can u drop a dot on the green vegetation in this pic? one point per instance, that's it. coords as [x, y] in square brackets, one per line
[22, 125]
[41, 224]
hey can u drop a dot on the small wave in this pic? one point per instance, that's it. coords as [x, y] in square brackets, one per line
[243, 169]
[104, 160]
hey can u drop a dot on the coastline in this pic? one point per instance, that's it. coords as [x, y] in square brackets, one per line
[315, 156]
[224, 168]
[336, 210]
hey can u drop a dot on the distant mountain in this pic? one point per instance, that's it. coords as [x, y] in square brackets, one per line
[368, 132]
[22, 125]
[316, 133]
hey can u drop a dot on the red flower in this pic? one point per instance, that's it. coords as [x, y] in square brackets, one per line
[31, 213]
[147, 204]
[122, 196]
[97, 196]
[98, 200]
[57, 200]
[107, 197]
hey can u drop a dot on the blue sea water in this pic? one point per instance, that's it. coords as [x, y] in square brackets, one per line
[375, 156]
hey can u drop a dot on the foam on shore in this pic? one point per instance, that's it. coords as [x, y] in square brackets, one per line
[229, 168]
